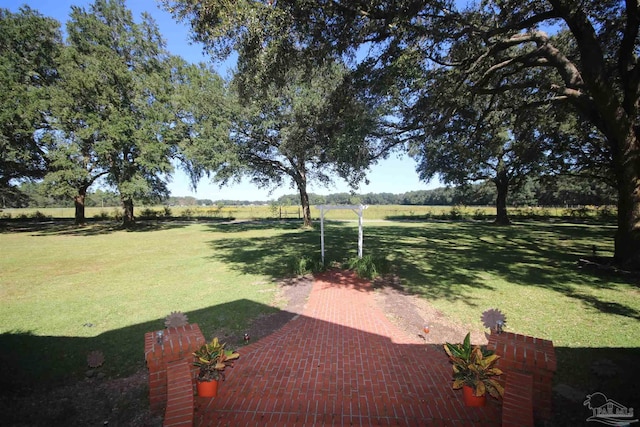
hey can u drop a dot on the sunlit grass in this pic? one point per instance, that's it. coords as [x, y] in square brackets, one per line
[98, 278]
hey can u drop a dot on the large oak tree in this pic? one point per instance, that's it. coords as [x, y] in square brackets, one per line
[300, 129]
[296, 119]
[28, 57]
[596, 72]
[466, 138]
[111, 108]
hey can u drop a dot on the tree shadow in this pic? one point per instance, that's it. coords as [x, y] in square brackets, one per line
[29, 361]
[585, 370]
[609, 307]
[256, 254]
[444, 260]
[256, 225]
[63, 227]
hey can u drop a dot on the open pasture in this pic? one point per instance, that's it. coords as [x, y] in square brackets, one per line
[266, 211]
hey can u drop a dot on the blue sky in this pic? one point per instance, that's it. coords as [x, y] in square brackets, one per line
[393, 175]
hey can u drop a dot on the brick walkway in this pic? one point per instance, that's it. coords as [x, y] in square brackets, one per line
[341, 363]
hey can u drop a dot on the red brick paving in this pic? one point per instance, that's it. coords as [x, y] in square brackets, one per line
[341, 363]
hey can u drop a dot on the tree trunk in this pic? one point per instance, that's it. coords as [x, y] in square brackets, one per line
[627, 238]
[78, 201]
[127, 218]
[502, 187]
[614, 112]
[304, 201]
[300, 178]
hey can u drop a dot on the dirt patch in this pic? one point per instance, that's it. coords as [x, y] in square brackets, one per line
[411, 313]
[291, 297]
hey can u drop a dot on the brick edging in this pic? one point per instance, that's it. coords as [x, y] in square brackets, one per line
[517, 404]
[180, 400]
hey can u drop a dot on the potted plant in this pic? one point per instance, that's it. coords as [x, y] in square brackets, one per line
[211, 360]
[474, 371]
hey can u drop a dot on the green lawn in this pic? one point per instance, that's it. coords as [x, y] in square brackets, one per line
[65, 291]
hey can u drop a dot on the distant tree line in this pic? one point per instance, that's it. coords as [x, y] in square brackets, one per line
[561, 191]
[564, 191]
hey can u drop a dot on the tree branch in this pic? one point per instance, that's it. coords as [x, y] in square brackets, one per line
[524, 24]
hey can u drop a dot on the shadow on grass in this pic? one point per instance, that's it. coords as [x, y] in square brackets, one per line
[257, 225]
[582, 371]
[445, 260]
[26, 360]
[253, 253]
[29, 361]
[42, 378]
[66, 227]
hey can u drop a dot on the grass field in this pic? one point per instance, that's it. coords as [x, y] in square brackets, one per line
[66, 290]
[294, 212]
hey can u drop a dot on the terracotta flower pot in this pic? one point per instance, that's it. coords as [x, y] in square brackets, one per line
[207, 388]
[470, 399]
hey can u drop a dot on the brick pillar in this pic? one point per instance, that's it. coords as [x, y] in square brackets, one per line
[533, 356]
[174, 344]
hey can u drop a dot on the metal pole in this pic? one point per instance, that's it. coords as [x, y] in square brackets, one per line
[360, 233]
[322, 232]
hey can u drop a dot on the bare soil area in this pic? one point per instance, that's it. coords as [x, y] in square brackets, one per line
[412, 313]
